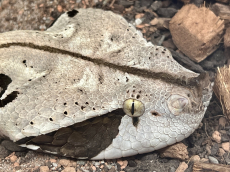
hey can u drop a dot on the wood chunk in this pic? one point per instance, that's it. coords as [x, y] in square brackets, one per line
[222, 87]
[182, 167]
[200, 166]
[227, 44]
[223, 11]
[178, 150]
[196, 31]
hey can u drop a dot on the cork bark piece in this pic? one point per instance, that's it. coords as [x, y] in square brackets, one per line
[196, 31]
[222, 88]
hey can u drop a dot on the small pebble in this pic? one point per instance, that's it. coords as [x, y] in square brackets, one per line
[64, 162]
[182, 167]
[156, 5]
[123, 164]
[221, 152]
[69, 169]
[44, 169]
[140, 15]
[195, 158]
[13, 158]
[81, 162]
[213, 160]
[138, 21]
[225, 146]
[216, 136]
[59, 8]
[222, 122]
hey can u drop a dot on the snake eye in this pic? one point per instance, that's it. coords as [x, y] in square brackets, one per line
[133, 107]
[177, 103]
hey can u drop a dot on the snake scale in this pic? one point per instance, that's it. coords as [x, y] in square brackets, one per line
[92, 87]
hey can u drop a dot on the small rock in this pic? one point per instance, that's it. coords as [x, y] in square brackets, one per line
[13, 158]
[64, 162]
[132, 163]
[59, 8]
[225, 146]
[195, 158]
[213, 160]
[224, 138]
[138, 21]
[182, 167]
[93, 168]
[167, 12]
[123, 164]
[16, 164]
[216, 136]
[221, 152]
[145, 3]
[44, 169]
[178, 150]
[69, 169]
[140, 15]
[222, 122]
[156, 5]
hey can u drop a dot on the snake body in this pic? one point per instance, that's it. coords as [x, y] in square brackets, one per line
[72, 89]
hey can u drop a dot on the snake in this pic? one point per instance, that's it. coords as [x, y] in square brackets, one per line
[92, 87]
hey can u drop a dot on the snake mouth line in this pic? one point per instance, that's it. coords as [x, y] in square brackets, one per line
[165, 77]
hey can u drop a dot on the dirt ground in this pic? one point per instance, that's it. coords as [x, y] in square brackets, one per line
[39, 15]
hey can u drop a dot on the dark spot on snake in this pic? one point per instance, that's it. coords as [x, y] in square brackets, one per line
[76, 103]
[31, 123]
[127, 91]
[127, 79]
[51, 119]
[82, 107]
[72, 13]
[65, 103]
[154, 113]
[24, 61]
[30, 80]
[86, 103]
[135, 121]
[94, 109]
[138, 96]
[65, 113]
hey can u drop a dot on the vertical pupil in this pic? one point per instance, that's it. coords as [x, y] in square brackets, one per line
[132, 109]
